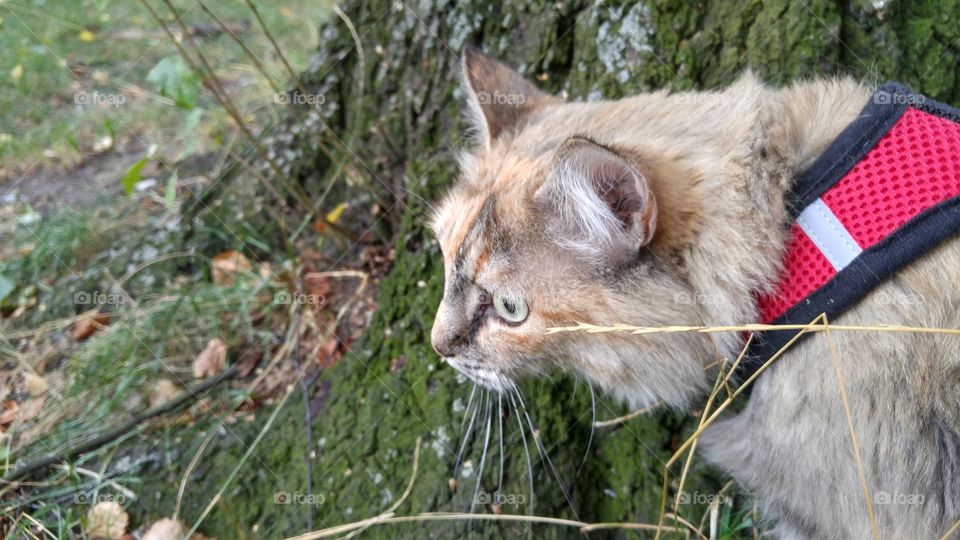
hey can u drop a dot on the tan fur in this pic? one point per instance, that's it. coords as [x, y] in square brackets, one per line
[718, 165]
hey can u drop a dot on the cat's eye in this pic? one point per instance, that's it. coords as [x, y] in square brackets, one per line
[510, 308]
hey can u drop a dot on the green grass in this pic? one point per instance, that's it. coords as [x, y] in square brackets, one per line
[154, 334]
[58, 52]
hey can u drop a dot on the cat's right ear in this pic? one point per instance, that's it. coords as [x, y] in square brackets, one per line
[498, 98]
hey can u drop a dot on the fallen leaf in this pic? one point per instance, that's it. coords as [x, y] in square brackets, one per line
[107, 520]
[36, 385]
[9, 414]
[326, 354]
[334, 215]
[30, 408]
[226, 265]
[161, 392]
[170, 529]
[249, 362]
[211, 360]
[90, 323]
[86, 36]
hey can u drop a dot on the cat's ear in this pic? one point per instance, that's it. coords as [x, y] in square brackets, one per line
[498, 98]
[599, 204]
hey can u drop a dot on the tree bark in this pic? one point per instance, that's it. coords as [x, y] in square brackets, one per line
[395, 104]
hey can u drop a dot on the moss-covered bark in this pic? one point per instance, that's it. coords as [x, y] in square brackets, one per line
[401, 123]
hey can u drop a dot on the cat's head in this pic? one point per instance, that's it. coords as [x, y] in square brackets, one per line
[548, 226]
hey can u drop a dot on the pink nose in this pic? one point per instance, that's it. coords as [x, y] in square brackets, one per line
[447, 338]
[445, 343]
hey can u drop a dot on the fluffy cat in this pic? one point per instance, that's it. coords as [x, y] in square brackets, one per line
[669, 209]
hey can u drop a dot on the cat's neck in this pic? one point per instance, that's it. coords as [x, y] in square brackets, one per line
[721, 191]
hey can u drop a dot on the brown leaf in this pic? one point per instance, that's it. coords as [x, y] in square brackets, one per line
[90, 323]
[36, 385]
[107, 520]
[327, 353]
[211, 360]
[162, 391]
[225, 266]
[30, 408]
[250, 361]
[9, 414]
[164, 529]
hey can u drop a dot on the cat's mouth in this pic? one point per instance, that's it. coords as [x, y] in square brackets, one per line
[481, 375]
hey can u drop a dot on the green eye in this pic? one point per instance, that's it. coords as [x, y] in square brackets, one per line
[511, 308]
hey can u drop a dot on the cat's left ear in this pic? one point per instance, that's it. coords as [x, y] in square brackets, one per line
[599, 204]
[498, 98]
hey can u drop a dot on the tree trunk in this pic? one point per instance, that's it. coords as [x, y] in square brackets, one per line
[398, 110]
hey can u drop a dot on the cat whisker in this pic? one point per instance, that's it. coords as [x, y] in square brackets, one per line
[500, 423]
[466, 410]
[483, 455]
[466, 436]
[546, 457]
[593, 425]
[526, 449]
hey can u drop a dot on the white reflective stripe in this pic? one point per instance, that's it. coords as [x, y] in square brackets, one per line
[828, 234]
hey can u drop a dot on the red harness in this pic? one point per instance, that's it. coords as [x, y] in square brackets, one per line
[885, 192]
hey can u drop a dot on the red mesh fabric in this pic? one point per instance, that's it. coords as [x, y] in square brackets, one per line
[805, 270]
[913, 167]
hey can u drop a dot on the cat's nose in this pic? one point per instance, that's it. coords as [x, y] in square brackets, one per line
[443, 348]
[446, 338]
[445, 344]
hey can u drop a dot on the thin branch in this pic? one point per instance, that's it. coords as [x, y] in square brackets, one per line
[834, 358]
[621, 419]
[458, 516]
[644, 330]
[92, 444]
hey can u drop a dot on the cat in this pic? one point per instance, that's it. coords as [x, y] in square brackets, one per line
[672, 209]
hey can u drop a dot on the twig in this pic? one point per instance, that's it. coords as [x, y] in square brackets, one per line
[256, 61]
[307, 417]
[195, 460]
[955, 528]
[92, 444]
[457, 516]
[220, 96]
[621, 419]
[834, 358]
[276, 48]
[406, 493]
[243, 460]
[819, 327]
